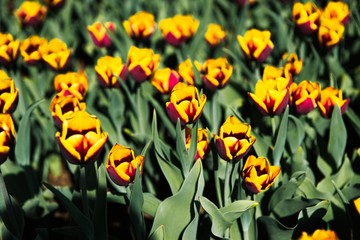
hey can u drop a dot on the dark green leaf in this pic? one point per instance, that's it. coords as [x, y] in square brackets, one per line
[296, 133]
[136, 207]
[100, 212]
[289, 207]
[271, 229]
[281, 138]
[151, 204]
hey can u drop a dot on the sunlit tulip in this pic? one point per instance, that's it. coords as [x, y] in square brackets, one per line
[202, 142]
[178, 29]
[337, 10]
[140, 25]
[99, 35]
[142, 63]
[56, 54]
[165, 79]
[329, 97]
[185, 104]
[55, 3]
[304, 96]
[234, 139]
[62, 106]
[306, 16]
[31, 13]
[30, 49]
[330, 32]
[216, 73]
[9, 95]
[9, 48]
[108, 69]
[81, 139]
[186, 71]
[258, 175]
[293, 64]
[256, 44]
[7, 136]
[214, 34]
[76, 83]
[122, 163]
[356, 203]
[319, 234]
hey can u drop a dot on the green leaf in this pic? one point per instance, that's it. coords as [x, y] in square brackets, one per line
[289, 207]
[193, 144]
[235, 209]
[22, 147]
[281, 138]
[100, 212]
[271, 229]
[158, 234]
[355, 120]
[338, 136]
[151, 204]
[295, 133]
[181, 148]
[319, 210]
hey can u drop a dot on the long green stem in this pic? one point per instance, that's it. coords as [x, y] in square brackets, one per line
[83, 187]
[227, 191]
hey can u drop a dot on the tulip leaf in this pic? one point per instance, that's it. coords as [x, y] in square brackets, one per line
[295, 133]
[158, 234]
[100, 212]
[281, 138]
[272, 229]
[355, 120]
[338, 136]
[319, 210]
[22, 147]
[193, 144]
[181, 148]
[288, 207]
[190, 231]
[180, 204]
[235, 209]
[151, 204]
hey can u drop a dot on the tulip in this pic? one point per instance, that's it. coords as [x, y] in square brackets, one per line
[293, 64]
[9, 48]
[329, 97]
[356, 203]
[178, 29]
[214, 34]
[76, 83]
[216, 73]
[142, 63]
[140, 25]
[337, 10]
[319, 234]
[121, 164]
[202, 142]
[55, 3]
[234, 139]
[108, 69]
[304, 96]
[62, 106]
[186, 71]
[81, 139]
[99, 35]
[279, 75]
[306, 17]
[258, 175]
[31, 13]
[185, 104]
[7, 136]
[256, 44]
[330, 32]
[9, 95]
[30, 49]
[55, 53]
[165, 79]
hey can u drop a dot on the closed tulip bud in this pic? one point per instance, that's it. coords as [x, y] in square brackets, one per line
[185, 104]
[165, 79]
[214, 34]
[31, 13]
[319, 234]
[329, 97]
[30, 49]
[121, 164]
[256, 44]
[140, 25]
[337, 10]
[234, 139]
[81, 139]
[216, 73]
[7, 136]
[293, 64]
[56, 54]
[142, 63]
[202, 142]
[306, 17]
[108, 69]
[330, 32]
[186, 71]
[9, 95]
[304, 96]
[9, 48]
[258, 175]
[76, 83]
[99, 35]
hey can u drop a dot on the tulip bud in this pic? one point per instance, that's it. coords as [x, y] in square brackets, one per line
[304, 96]
[7, 136]
[76, 83]
[56, 54]
[31, 13]
[216, 73]
[9, 48]
[165, 79]
[186, 71]
[30, 49]
[99, 35]
[337, 10]
[330, 32]
[202, 142]
[293, 64]
[108, 69]
[306, 17]
[214, 34]
[140, 25]
[329, 97]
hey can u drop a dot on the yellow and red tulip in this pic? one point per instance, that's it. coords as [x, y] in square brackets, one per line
[108, 69]
[293, 64]
[214, 34]
[81, 139]
[31, 13]
[258, 175]
[76, 83]
[165, 79]
[56, 54]
[9, 95]
[306, 17]
[185, 104]
[330, 32]
[122, 163]
[216, 73]
[30, 49]
[140, 25]
[99, 35]
[281, 76]
[142, 63]
[234, 139]
[202, 142]
[304, 96]
[356, 203]
[337, 10]
[186, 71]
[329, 97]
[256, 44]
[7, 136]
[9, 48]
[319, 234]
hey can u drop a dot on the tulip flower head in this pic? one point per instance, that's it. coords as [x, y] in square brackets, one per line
[81, 139]
[9, 48]
[319, 234]
[306, 17]
[56, 54]
[202, 142]
[293, 64]
[258, 175]
[108, 69]
[186, 71]
[7, 136]
[329, 97]
[122, 163]
[99, 35]
[9, 95]
[216, 73]
[214, 34]
[234, 139]
[337, 10]
[75, 83]
[31, 13]
[140, 25]
[357, 204]
[256, 44]
[185, 104]
[142, 63]
[280, 76]
[330, 32]
[30, 49]
[304, 96]
[165, 79]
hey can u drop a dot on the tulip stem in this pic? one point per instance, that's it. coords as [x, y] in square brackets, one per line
[227, 192]
[273, 126]
[83, 187]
